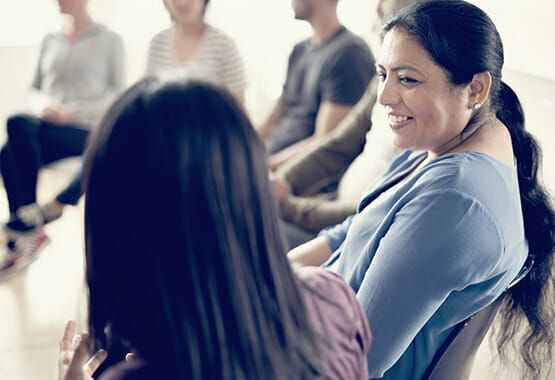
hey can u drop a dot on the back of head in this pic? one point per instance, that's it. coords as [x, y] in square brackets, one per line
[184, 256]
[387, 8]
[462, 39]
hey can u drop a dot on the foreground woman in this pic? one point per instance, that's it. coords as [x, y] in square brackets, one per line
[196, 282]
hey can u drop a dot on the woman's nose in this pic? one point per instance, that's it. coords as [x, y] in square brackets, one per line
[387, 93]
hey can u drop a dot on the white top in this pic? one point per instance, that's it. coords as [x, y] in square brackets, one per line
[217, 60]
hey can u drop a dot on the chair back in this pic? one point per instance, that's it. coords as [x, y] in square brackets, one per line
[455, 357]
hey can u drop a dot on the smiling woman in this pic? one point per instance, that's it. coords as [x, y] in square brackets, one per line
[447, 228]
[426, 110]
[197, 282]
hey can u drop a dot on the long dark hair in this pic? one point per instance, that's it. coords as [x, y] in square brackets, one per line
[463, 40]
[185, 261]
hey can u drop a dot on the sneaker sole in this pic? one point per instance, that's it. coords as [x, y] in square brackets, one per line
[25, 260]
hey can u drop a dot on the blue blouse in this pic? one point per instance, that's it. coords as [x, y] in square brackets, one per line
[442, 244]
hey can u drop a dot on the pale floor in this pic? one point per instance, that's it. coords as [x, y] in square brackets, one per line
[35, 304]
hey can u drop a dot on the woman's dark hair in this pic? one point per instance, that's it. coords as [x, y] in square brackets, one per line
[463, 40]
[185, 261]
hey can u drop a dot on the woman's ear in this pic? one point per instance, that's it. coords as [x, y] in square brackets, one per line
[479, 89]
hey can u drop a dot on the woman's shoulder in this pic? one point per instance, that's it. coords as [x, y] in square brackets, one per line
[328, 292]
[471, 161]
[472, 178]
[103, 29]
[161, 37]
[322, 281]
[215, 34]
[318, 277]
[466, 171]
[133, 369]
[338, 317]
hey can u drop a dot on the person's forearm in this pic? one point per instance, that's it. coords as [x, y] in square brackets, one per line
[279, 158]
[323, 163]
[271, 121]
[312, 253]
[315, 213]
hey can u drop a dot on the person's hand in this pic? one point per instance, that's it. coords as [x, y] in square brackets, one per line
[74, 352]
[282, 188]
[58, 115]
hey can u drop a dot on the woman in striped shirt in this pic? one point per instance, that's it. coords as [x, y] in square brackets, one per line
[192, 48]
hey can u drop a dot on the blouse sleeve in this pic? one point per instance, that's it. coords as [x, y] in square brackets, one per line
[150, 60]
[423, 257]
[335, 235]
[340, 320]
[233, 70]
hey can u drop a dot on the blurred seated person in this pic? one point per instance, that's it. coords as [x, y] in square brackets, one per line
[196, 283]
[326, 75]
[353, 155]
[79, 71]
[190, 48]
[302, 184]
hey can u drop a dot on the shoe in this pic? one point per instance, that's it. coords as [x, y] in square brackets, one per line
[27, 219]
[22, 252]
[30, 218]
[52, 211]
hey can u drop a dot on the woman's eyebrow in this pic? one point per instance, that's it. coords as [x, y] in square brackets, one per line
[399, 68]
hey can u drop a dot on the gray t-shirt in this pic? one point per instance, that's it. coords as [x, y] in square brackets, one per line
[337, 71]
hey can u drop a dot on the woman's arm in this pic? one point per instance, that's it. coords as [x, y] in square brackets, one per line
[314, 252]
[436, 246]
[326, 161]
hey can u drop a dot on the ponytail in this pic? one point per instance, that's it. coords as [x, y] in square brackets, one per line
[529, 297]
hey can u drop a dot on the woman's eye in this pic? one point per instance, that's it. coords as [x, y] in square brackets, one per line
[381, 76]
[407, 80]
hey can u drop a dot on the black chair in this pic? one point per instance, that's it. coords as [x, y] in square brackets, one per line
[455, 357]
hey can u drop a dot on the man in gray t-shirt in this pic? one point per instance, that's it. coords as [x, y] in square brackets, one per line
[326, 76]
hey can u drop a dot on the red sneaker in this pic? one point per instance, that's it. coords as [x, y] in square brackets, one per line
[22, 252]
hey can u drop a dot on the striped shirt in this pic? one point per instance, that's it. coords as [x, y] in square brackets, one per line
[217, 60]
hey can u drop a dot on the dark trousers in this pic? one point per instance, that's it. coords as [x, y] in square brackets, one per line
[71, 194]
[31, 144]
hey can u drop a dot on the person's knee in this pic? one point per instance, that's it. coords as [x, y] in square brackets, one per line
[18, 125]
[3, 155]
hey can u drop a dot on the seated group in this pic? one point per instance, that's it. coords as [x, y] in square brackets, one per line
[212, 293]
